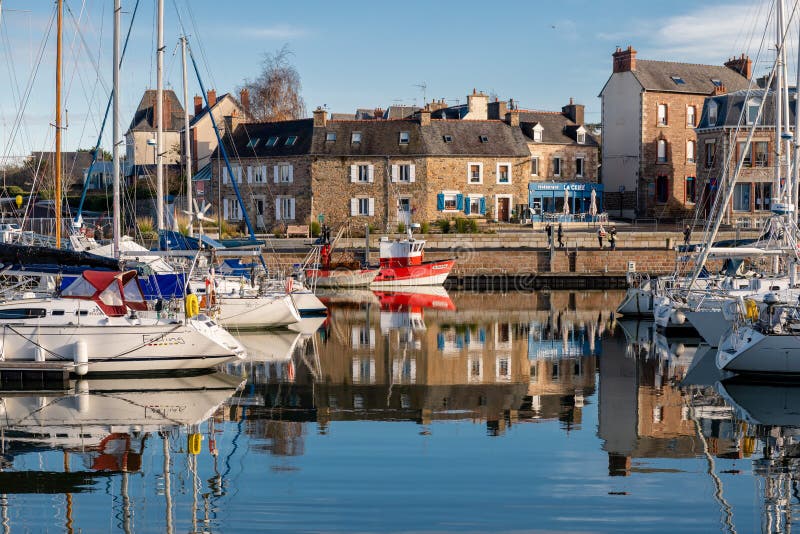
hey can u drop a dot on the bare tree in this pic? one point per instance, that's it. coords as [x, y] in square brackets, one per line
[275, 94]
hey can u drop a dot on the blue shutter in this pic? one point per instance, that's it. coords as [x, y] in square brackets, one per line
[440, 341]
[460, 342]
[440, 202]
[483, 206]
[482, 335]
[467, 206]
[459, 202]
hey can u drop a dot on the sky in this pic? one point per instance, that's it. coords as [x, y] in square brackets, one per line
[352, 54]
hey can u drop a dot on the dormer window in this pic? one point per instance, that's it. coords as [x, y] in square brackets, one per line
[717, 83]
[484, 139]
[580, 136]
[291, 140]
[272, 141]
[537, 133]
[330, 136]
[447, 138]
[253, 142]
[355, 138]
[678, 80]
[752, 111]
[712, 113]
[404, 138]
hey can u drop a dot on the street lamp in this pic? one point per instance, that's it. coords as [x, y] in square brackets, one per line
[153, 143]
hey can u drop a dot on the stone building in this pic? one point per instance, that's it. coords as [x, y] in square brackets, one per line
[721, 137]
[141, 134]
[649, 112]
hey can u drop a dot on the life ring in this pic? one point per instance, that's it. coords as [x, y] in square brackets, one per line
[191, 306]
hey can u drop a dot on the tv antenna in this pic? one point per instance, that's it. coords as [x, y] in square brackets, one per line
[423, 87]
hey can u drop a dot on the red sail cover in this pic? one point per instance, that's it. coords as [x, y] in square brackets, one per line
[114, 292]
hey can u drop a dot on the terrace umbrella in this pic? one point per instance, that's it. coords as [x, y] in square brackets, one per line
[593, 204]
[566, 202]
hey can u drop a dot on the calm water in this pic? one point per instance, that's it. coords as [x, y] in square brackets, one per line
[471, 413]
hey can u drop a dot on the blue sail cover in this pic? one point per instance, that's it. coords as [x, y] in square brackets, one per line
[170, 240]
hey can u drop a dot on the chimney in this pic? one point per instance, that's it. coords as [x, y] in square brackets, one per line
[425, 116]
[512, 118]
[212, 97]
[198, 105]
[437, 105]
[743, 65]
[719, 90]
[497, 110]
[244, 100]
[573, 112]
[377, 113]
[477, 106]
[320, 117]
[624, 60]
[232, 122]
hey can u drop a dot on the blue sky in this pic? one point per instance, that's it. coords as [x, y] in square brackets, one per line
[357, 53]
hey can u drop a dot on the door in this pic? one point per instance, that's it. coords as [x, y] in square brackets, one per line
[404, 211]
[259, 205]
[503, 210]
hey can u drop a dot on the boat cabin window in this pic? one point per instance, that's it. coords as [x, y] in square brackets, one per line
[82, 312]
[23, 313]
[111, 296]
[132, 291]
[58, 312]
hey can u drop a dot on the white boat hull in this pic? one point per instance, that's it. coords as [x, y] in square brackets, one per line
[749, 351]
[257, 312]
[307, 302]
[711, 324]
[638, 302]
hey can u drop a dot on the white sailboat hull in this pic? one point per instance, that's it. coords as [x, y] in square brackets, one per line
[750, 351]
[638, 302]
[269, 311]
[711, 324]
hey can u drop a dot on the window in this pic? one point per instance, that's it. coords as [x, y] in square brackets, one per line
[232, 211]
[741, 197]
[662, 151]
[690, 190]
[748, 159]
[690, 145]
[284, 208]
[253, 142]
[556, 166]
[484, 139]
[363, 173]
[260, 174]
[678, 80]
[475, 173]
[581, 138]
[662, 115]
[362, 207]
[404, 137]
[752, 111]
[662, 189]
[355, 138]
[712, 113]
[447, 138]
[579, 167]
[449, 201]
[535, 166]
[404, 173]
[475, 205]
[24, 313]
[503, 173]
[272, 141]
[537, 133]
[475, 368]
[691, 115]
[504, 368]
[330, 136]
[711, 148]
[763, 196]
[761, 153]
[291, 140]
[284, 173]
[717, 83]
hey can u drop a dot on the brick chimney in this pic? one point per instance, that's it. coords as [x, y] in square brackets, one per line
[719, 90]
[198, 105]
[425, 116]
[437, 105]
[320, 118]
[244, 100]
[573, 112]
[624, 60]
[377, 113]
[742, 64]
[212, 97]
[497, 110]
[512, 118]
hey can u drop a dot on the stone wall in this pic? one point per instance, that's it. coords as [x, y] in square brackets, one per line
[568, 154]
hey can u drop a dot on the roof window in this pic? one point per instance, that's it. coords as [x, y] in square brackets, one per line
[678, 80]
[717, 83]
[253, 142]
[447, 138]
[291, 140]
[330, 136]
[355, 138]
[272, 141]
[404, 137]
[484, 139]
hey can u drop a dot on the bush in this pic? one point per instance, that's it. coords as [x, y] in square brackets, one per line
[316, 229]
[425, 227]
[14, 190]
[145, 225]
[444, 225]
[401, 228]
[278, 230]
[372, 228]
[473, 226]
[461, 225]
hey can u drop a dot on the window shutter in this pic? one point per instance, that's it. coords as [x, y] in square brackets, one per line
[291, 173]
[353, 173]
[225, 174]
[249, 174]
[225, 209]
[459, 202]
[277, 208]
[371, 173]
[412, 173]
[467, 206]
[440, 202]
[395, 173]
[371, 207]
[483, 206]
[239, 174]
[275, 172]
[263, 174]
[291, 208]
[353, 207]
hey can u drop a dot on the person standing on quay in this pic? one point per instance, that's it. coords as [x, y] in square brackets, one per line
[601, 233]
[549, 231]
[560, 236]
[687, 234]
[612, 237]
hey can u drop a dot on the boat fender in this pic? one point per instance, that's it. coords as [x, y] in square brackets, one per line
[191, 305]
[751, 309]
[81, 356]
[289, 285]
[195, 443]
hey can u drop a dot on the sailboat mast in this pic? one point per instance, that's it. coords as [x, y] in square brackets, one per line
[159, 117]
[115, 128]
[778, 102]
[187, 153]
[796, 148]
[57, 207]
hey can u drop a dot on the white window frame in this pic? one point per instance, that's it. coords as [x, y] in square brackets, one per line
[497, 173]
[537, 165]
[691, 116]
[580, 168]
[661, 151]
[537, 133]
[478, 361]
[662, 115]
[581, 138]
[503, 377]
[503, 345]
[454, 195]
[752, 103]
[355, 138]
[282, 205]
[362, 207]
[480, 173]
[691, 151]
[469, 198]
[709, 154]
[259, 174]
[330, 137]
[712, 113]
[284, 173]
[404, 138]
[232, 210]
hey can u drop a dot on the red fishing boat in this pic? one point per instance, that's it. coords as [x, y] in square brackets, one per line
[403, 264]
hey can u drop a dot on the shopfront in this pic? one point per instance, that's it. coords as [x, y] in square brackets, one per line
[547, 199]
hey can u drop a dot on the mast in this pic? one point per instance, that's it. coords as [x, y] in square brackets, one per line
[159, 117]
[778, 192]
[115, 129]
[187, 153]
[59, 25]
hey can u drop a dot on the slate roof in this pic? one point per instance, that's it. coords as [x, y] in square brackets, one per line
[452, 112]
[657, 76]
[556, 127]
[204, 113]
[258, 133]
[730, 106]
[143, 117]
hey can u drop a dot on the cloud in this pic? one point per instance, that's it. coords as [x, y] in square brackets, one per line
[278, 31]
